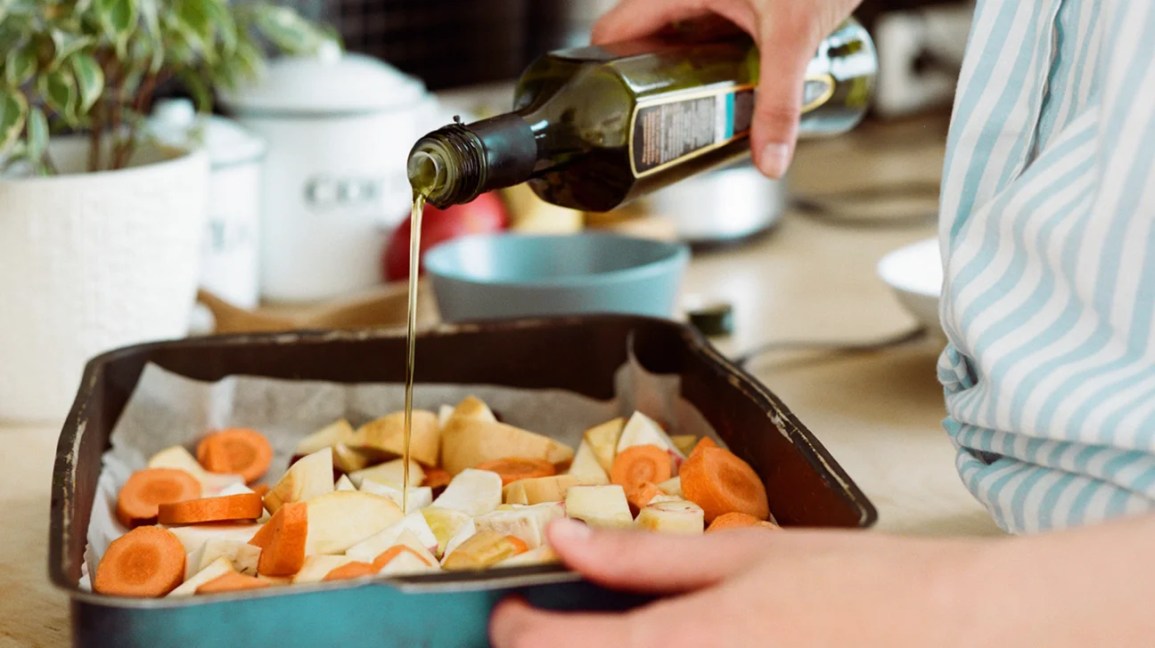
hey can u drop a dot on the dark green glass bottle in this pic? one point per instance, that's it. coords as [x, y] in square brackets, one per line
[595, 127]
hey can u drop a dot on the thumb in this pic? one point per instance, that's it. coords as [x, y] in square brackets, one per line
[787, 40]
[652, 562]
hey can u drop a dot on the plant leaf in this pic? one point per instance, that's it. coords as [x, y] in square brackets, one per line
[118, 18]
[13, 113]
[58, 88]
[288, 30]
[199, 89]
[20, 64]
[37, 136]
[195, 17]
[89, 79]
[66, 44]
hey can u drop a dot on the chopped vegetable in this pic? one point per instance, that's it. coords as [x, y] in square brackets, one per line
[231, 582]
[355, 569]
[243, 451]
[720, 482]
[638, 465]
[147, 561]
[246, 506]
[512, 469]
[283, 547]
[737, 520]
[145, 490]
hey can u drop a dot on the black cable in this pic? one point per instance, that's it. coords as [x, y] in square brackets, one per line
[847, 207]
[834, 346]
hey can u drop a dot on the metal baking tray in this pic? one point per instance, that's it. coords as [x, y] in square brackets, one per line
[806, 486]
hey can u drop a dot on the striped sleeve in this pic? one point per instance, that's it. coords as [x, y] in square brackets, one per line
[1048, 240]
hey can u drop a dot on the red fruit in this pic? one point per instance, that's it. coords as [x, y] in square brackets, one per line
[486, 213]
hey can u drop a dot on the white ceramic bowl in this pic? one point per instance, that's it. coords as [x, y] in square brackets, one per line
[914, 273]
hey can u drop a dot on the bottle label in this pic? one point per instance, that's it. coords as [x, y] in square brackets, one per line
[673, 128]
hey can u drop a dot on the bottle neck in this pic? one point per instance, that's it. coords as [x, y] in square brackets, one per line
[455, 164]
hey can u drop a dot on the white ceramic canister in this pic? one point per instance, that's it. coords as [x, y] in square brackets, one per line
[230, 252]
[339, 128]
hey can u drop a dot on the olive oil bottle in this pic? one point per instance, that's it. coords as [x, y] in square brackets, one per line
[595, 127]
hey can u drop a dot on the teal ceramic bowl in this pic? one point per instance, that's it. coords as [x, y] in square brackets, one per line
[493, 276]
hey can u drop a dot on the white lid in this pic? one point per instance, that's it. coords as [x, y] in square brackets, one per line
[330, 82]
[174, 121]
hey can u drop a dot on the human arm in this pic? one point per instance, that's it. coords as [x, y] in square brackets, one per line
[753, 587]
[787, 32]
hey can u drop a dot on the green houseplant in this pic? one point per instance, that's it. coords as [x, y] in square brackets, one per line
[100, 227]
[93, 66]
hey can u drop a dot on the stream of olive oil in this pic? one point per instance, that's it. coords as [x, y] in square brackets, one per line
[411, 337]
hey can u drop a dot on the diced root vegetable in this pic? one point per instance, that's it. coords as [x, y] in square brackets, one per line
[309, 477]
[603, 441]
[525, 522]
[468, 442]
[483, 549]
[680, 517]
[387, 435]
[603, 506]
[390, 473]
[473, 492]
[215, 569]
[339, 431]
[445, 525]
[537, 491]
[339, 520]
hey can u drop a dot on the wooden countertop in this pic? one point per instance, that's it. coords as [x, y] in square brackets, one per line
[809, 279]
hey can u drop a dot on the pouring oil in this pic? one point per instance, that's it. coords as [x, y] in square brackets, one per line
[411, 338]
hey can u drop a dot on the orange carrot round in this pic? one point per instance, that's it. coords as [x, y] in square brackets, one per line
[512, 469]
[146, 561]
[437, 477]
[519, 546]
[636, 465]
[351, 570]
[737, 520]
[145, 490]
[641, 495]
[231, 582]
[242, 451]
[283, 548]
[703, 443]
[243, 506]
[720, 482]
[387, 556]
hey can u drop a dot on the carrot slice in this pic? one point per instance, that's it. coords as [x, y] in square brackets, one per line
[244, 506]
[263, 535]
[387, 556]
[242, 451]
[351, 570]
[283, 548]
[703, 443]
[145, 490]
[720, 482]
[146, 561]
[261, 490]
[737, 520]
[641, 495]
[437, 477]
[519, 546]
[231, 582]
[636, 465]
[512, 469]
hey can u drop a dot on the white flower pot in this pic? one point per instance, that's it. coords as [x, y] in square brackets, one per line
[90, 262]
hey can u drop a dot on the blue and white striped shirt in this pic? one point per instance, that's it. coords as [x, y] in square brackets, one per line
[1048, 240]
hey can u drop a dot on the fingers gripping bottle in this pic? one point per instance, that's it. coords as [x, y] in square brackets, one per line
[595, 127]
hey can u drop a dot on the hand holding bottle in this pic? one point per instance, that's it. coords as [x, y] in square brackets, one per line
[787, 33]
